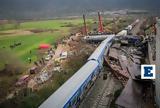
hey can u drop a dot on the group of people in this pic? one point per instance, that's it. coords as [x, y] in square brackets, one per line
[15, 45]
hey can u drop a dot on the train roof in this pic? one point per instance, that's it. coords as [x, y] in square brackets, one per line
[109, 38]
[122, 33]
[98, 36]
[60, 97]
[100, 49]
[98, 52]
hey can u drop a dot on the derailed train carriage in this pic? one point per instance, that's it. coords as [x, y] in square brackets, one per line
[73, 90]
[96, 38]
[97, 55]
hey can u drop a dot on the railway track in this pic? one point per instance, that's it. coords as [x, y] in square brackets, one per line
[101, 94]
[105, 97]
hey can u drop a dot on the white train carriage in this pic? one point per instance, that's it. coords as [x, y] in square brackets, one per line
[122, 33]
[129, 28]
[72, 91]
[98, 54]
[97, 38]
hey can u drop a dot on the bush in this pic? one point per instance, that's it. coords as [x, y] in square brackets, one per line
[5, 84]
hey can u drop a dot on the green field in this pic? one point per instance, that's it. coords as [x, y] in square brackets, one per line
[48, 24]
[14, 61]
[30, 42]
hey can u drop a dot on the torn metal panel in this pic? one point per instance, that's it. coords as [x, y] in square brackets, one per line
[136, 61]
[131, 96]
[123, 63]
[136, 56]
[113, 53]
[135, 71]
[119, 71]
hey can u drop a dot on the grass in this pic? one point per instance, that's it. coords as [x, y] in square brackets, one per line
[49, 24]
[18, 56]
[30, 42]
[7, 27]
[34, 99]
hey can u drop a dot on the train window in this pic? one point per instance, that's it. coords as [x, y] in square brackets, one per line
[68, 105]
[86, 87]
[74, 101]
[78, 94]
[76, 98]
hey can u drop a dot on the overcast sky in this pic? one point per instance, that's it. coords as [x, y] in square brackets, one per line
[28, 8]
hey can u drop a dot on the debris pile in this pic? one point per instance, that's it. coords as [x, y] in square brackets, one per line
[125, 57]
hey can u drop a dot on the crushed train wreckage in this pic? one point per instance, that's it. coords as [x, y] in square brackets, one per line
[124, 58]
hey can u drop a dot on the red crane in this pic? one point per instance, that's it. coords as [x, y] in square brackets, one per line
[100, 25]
